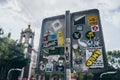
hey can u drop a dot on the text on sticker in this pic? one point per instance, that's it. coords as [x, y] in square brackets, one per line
[93, 57]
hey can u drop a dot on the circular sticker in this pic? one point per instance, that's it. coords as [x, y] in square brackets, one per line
[90, 35]
[89, 42]
[42, 67]
[76, 35]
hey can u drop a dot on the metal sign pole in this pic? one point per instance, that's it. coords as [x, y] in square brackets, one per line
[68, 45]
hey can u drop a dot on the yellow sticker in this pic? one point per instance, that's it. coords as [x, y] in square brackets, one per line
[60, 38]
[90, 35]
[93, 57]
[92, 19]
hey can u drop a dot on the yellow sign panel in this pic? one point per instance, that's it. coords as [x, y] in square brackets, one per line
[60, 38]
[92, 19]
[93, 57]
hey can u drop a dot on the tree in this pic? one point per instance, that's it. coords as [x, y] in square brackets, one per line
[114, 58]
[11, 56]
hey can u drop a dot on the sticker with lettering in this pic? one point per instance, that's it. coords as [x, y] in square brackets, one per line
[90, 35]
[57, 25]
[92, 57]
[76, 35]
[92, 19]
[95, 28]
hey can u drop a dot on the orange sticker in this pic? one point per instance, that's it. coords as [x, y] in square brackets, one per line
[92, 19]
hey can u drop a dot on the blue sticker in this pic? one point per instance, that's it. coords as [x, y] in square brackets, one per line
[52, 37]
[89, 42]
[79, 27]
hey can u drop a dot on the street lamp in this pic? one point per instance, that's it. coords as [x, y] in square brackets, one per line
[105, 73]
[12, 70]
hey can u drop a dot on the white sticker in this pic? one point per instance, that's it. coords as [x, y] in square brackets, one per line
[98, 63]
[95, 28]
[57, 25]
[83, 44]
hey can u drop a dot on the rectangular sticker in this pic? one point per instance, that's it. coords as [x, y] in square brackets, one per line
[94, 58]
[57, 25]
[92, 19]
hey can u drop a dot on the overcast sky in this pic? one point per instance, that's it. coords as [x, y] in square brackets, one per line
[15, 15]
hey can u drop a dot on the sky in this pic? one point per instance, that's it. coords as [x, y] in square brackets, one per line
[15, 15]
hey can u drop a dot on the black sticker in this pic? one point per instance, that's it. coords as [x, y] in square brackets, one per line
[79, 20]
[90, 35]
[76, 35]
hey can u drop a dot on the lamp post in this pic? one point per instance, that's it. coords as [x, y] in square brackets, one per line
[111, 72]
[17, 69]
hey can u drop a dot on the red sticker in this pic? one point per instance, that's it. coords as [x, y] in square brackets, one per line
[95, 28]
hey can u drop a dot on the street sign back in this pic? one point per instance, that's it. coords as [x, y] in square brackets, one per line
[90, 44]
[77, 39]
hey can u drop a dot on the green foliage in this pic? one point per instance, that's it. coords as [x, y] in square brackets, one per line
[11, 56]
[114, 58]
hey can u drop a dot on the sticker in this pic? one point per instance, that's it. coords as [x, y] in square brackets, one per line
[96, 53]
[92, 19]
[95, 28]
[59, 68]
[78, 60]
[89, 42]
[90, 35]
[79, 27]
[76, 35]
[96, 42]
[57, 25]
[76, 50]
[52, 37]
[49, 67]
[45, 51]
[56, 51]
[52, 43]
[60, 38]
[79, 20]
[81, 43]
[42, 66]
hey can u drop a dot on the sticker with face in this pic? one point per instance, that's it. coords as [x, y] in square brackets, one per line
[90, 35]
[57, 25]
[76, 35]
